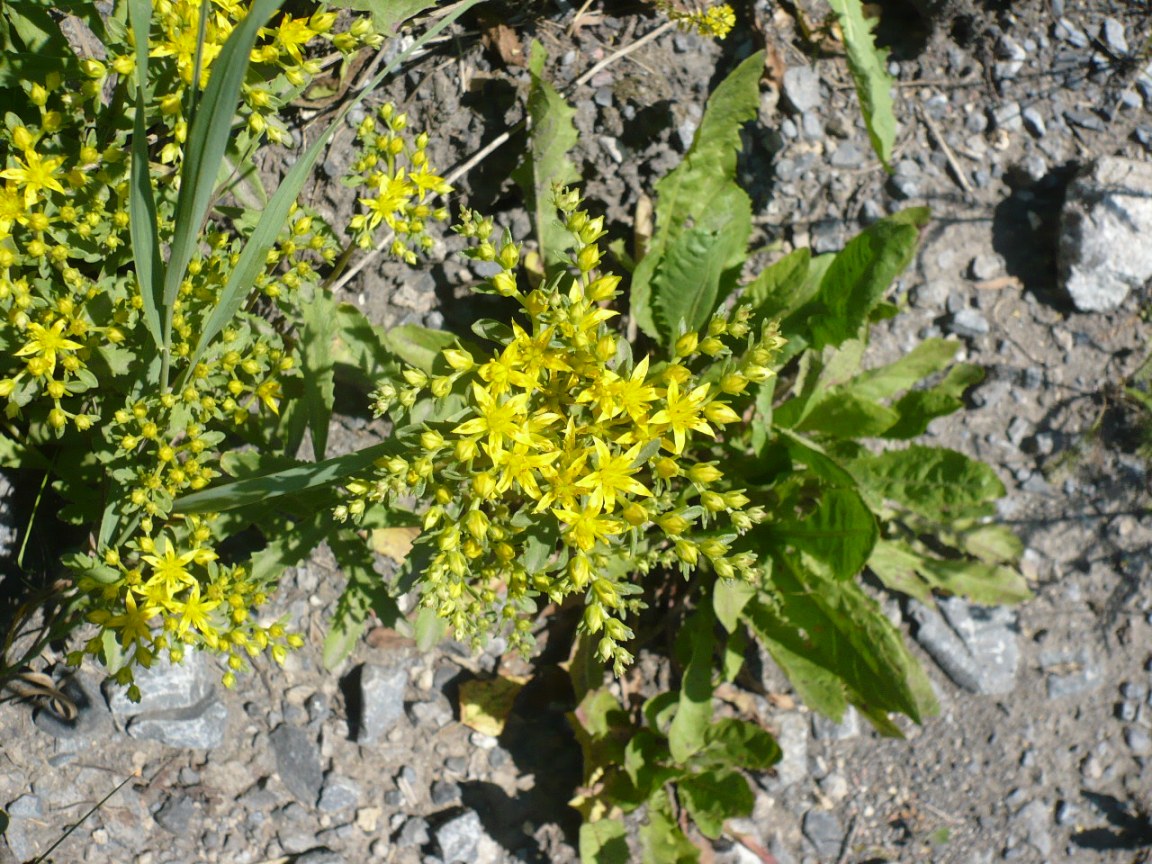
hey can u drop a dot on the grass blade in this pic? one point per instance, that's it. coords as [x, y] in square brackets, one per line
[254, 255]
[141, 200]
[299, 479]
[207, 144]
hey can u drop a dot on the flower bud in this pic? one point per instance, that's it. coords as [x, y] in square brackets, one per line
[686, 345]
[704, 473]
[720, 413]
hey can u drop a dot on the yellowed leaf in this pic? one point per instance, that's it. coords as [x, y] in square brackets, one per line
[394, 543]
[486, 703]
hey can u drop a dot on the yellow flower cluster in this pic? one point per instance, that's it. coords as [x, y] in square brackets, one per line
[717, 19]
[393, 167]
[558, 465]
[171, 592]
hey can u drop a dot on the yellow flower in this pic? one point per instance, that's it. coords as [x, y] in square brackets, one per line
[613, 474]
[195, 613]
[682, 414]
[34, 173]
[587, 526]
[498, 420]
[45, 343]
[170, 571]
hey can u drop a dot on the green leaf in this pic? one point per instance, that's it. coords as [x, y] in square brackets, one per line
[604, 842]
[776, 291]
[663, 840]
[711, 797]
[902, 569]
[364, 593]
[702, 266]
[388, 15]
[846, 416]
[301, 478]
[291, 542]
[858, 276]
[207, 143]
[938, 483]
[836, 626]
[319, 330]
[840, 532]
[546, 163]
[918, 408]
[686, 195]
[732, 742]
[729, 596]
[930, 356]
[993, 544]
[868, 67]
[418, 346]
[429, 628]
[142, 223]
[694, 711]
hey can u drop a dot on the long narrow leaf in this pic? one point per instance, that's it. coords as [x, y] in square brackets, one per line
[254, 255]
[867, 64]
[207, 143]
[298, 479]
[141, 200]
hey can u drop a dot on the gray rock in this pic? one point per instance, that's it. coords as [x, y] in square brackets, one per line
[295, 839]
[985, 266]
[444, 792]
[1010, 56]
[175, 815]
[413, 833]
[165, 686]
[847, 155]
[1068, 32]
[339, 793]
[1106, 209]
[1112, 35]
[802, 88]
[1084, 119]
[1007, 116]
[200, 726]
[1017, 429]
[968, 323]
[1070, 673]
[827, 729]
[1034, 121]
[1138, 740]
[26, 807]
[298, 763]
[1036, 819]
[459, 837]
[382, 691]
[321, 856]
[792, 736]
[811, 126]
[976, 646]
[92, 714]
[824, 832]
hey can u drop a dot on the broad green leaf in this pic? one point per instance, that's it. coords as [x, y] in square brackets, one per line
[868, 66]
[731, 742]
[935, 482]
[291, 543]
[418, 346]
[646, 763]
[364, 593]
[776, 291]
[388, 15]
[694, 711]
[848, 417]
[604, 842]
[993, 544]
[359, 351]
[686, 194]
[702, 265]
[729, 597]
[732, 659]
[545, 164]
[711, 797]
[253, 256]
[918, 408]
[841, 532]
[836, 626]
[930, 356]
[859, 275]
[902, 569]
[485, 703]
[602, 728]
[298, 479]
[663, 840]
[142, 225]
[429, 628]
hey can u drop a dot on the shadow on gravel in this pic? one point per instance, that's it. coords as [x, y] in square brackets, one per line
[1132, 828]
[1026, 232]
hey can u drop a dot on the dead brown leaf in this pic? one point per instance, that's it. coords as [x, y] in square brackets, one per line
[502, 39]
